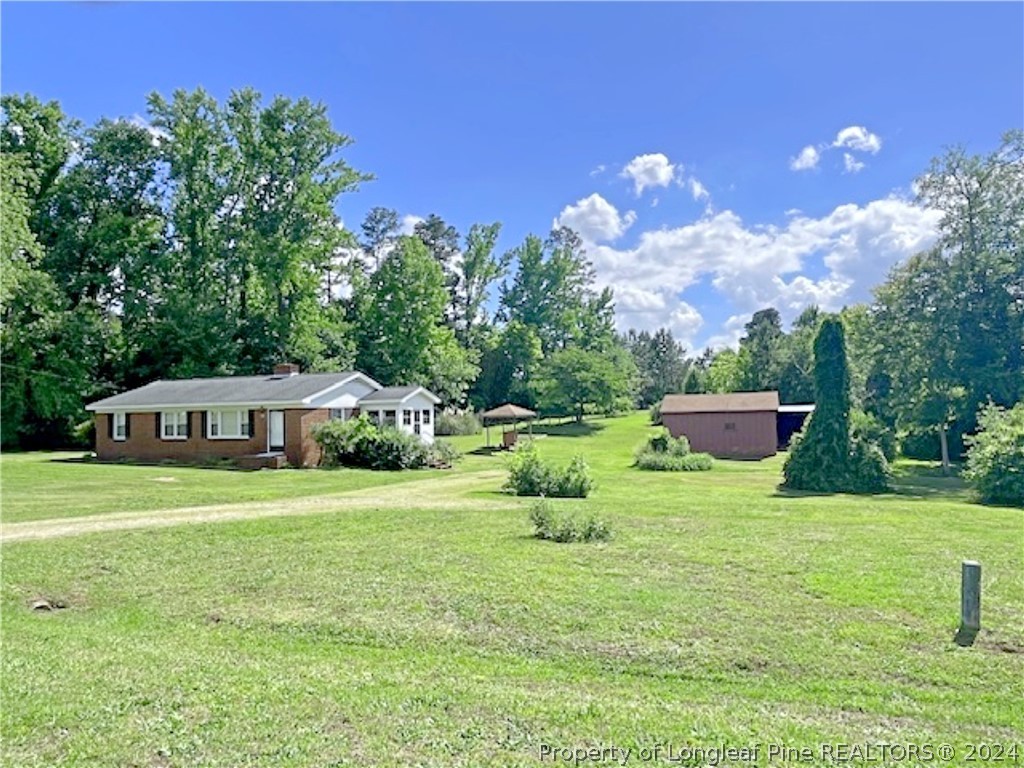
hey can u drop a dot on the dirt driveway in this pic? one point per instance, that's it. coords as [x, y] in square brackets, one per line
[436, 493]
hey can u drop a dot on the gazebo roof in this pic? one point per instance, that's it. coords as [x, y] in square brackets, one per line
[509, 412]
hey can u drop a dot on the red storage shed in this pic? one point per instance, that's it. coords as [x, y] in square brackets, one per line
[741, 425]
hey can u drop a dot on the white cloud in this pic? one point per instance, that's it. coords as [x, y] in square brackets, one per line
[595, 219]
[806, 160]
[859, 138]
[409, 222]
[698, 190]
[642, 308]
[599, 170]
[852, 164]
[853, 137]
[732, 330]
[756, 266]
[684, 322]
[652, 170]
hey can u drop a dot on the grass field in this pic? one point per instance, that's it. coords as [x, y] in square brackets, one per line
[427, 627]
[42, 486]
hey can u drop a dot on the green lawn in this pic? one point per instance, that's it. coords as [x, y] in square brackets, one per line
[43, 486]
[722, 612]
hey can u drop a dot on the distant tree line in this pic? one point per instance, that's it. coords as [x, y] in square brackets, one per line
[205, 241]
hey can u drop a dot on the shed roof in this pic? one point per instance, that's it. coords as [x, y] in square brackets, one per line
[226, 390]
[735, 402]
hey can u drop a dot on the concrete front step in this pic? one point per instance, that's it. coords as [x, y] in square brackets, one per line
[275, 460]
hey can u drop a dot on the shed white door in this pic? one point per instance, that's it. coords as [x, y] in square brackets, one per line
[276, 430]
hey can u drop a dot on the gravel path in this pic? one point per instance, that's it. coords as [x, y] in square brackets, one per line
[435, 493]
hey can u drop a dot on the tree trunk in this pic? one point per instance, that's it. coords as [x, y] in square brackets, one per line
[944, 444]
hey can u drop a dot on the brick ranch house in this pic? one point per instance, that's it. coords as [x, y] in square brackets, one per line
[256, 420]
[741, 425]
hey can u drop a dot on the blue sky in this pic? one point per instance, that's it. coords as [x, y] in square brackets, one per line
[717, 158]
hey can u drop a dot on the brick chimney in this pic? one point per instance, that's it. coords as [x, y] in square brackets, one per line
[286, 369]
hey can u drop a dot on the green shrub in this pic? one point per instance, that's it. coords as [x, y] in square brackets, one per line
[574, 481]
[868, 470]
[340, 440]
[360, 443]
[391, 449]
[655, 413]
[667, 462]
[84, 434]
[619, 406]
[663, 442]
[564, 527]
[443, 454]
[457, 424]
[995, 457]
[864, 426]
[664, 453]
[529, 475]
[863, 470]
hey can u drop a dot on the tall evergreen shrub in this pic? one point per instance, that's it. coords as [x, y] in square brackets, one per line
[826, 457]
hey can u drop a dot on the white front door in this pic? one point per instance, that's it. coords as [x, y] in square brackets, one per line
[276, 430]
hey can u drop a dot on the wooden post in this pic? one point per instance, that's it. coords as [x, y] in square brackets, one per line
[970, 595]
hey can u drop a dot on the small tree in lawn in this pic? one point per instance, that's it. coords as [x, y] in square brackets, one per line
[571, 379]
[825, 457]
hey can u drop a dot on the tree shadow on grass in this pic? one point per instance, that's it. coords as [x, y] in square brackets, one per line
[86, 459]
[908, 491]
[923, 482]
[911, 484]
[790, 493]
[221, 465]
[485, 450]
[571, 429]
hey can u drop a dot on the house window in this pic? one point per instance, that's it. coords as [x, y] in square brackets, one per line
[174, 425]
[426, 417]
[337, 413]
[730, 426]
[389, 418]
[227, 425]
[407, 417]
[120, 426]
